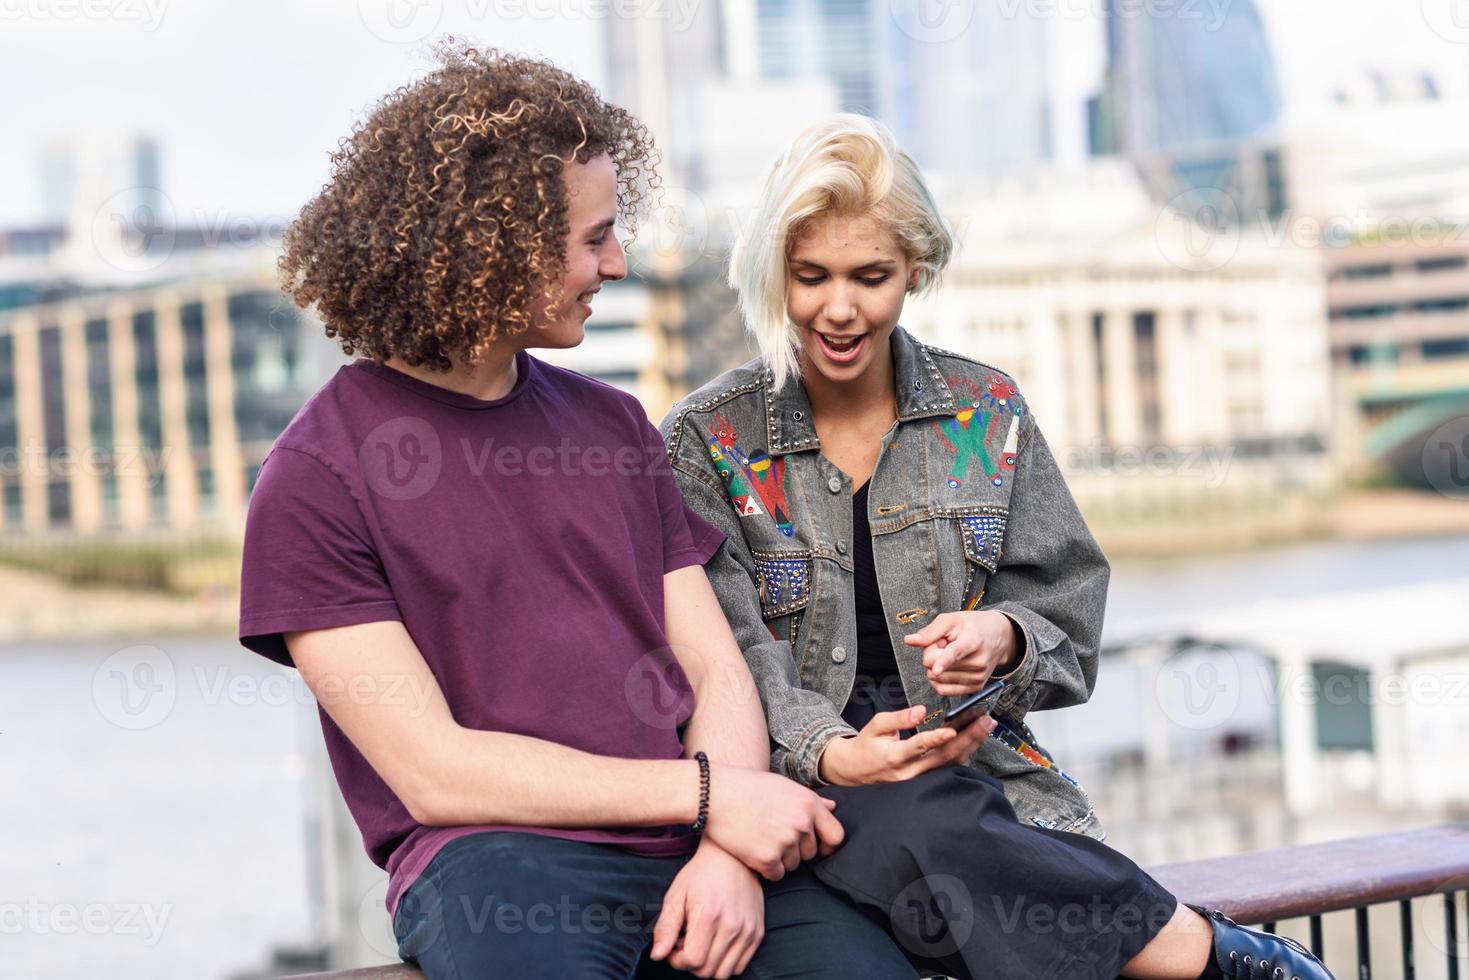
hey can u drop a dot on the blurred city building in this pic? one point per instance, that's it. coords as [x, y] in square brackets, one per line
[1181, 376]
[1399, 311]
[149, 407]
[1182, 76]
[968, 88]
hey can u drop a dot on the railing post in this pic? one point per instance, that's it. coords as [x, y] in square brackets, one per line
[1405, 919]
[1364, 946]
[1451, 934]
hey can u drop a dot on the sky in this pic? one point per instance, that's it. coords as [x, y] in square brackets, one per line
[247, 97]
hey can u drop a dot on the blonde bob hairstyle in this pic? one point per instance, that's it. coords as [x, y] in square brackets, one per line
[847, 165]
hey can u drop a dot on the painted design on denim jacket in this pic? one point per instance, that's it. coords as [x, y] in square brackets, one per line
[747, 477]
[970, 432]
[1007, 736]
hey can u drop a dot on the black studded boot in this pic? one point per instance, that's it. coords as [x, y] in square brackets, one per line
[1249, 954]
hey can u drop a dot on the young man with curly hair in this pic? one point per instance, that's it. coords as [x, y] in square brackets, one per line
[483, 569]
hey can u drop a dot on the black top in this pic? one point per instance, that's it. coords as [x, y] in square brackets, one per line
[878, 687]
[874, 646]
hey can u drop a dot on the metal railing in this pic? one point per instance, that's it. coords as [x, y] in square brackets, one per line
[1355, 874]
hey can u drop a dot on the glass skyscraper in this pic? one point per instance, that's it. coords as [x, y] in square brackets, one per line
[1193, 76]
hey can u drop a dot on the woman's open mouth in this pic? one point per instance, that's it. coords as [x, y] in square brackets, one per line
[842, 350]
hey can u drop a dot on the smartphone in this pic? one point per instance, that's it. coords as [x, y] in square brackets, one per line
[974, 705]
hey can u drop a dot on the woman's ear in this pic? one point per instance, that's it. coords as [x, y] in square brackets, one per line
[913, 278]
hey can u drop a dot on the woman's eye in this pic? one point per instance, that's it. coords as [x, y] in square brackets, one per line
[874, 282]
[809, 280]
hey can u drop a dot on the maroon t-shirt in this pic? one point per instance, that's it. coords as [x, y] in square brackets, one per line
[522, 542]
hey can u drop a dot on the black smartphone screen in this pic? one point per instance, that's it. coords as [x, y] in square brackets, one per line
[974, 705]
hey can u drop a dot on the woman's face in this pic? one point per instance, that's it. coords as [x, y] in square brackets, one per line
[846, 278]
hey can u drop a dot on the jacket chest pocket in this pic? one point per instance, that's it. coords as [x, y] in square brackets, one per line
[982, 537]
[783, 579]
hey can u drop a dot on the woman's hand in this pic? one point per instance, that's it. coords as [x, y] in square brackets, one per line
[962, 650]
[877, 755]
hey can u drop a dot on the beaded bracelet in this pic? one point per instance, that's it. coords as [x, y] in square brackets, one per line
[703, 820]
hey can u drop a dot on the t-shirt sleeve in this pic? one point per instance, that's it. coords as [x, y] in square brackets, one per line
[309, 561]
[688, 539]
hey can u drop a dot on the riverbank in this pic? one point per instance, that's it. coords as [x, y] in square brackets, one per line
[39, 606]
[1400, 514]
[1270, 522]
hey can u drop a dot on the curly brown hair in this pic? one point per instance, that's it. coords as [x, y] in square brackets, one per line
[446, 210]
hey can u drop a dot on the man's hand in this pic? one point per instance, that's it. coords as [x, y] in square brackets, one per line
[767, 821]
[877, 755]
[718, 907]
[962, 650]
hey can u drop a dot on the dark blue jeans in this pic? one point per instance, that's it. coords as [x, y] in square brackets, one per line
[514, 905]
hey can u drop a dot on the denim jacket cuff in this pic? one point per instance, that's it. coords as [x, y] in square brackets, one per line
[1017, 679]
[803, 763]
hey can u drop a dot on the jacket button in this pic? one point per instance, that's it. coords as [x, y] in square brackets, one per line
[841, 547]
[834, 485]
[838, 655]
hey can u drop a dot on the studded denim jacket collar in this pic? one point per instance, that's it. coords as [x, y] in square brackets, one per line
[921, 392]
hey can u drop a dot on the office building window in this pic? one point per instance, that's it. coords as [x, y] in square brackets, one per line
[1099, 357]
[99, 383]
[1453, 347]
[145, 343]
[1442, 263]
[1144, 340]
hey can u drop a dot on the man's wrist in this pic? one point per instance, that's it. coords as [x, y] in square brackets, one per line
[703, 819]
[707, 849]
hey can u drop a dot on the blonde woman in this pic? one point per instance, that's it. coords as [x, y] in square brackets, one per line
[898, 535]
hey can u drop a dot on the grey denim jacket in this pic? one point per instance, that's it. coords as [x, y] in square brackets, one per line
[967, 509]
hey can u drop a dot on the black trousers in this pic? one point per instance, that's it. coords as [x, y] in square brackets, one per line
[943, 863]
